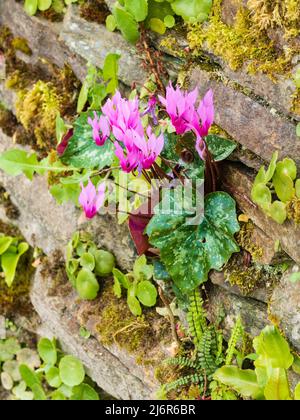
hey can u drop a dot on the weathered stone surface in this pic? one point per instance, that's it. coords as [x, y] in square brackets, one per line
[49, 226]
[238, 181]
[219, 279]
[247, 121]
[113, 369]
[285, 308]
[252, 312]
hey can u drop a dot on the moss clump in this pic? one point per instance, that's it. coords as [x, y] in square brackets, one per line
[21, 44]
[293, 210]
[140, 336]
[244, 239]
[37, 109]
[94, 11]
[171, 44]
[244, 42]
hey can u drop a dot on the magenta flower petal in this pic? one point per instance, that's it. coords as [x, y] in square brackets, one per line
[90, 199]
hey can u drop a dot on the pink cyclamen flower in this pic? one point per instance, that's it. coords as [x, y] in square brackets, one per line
[91, 199]
[180, 105]
[123, 115]
[101, 129]
[205, 114]
[150, 148]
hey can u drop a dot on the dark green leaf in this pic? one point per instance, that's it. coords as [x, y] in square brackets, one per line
[219, 147]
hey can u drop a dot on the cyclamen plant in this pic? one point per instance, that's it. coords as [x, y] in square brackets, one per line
[137, 148]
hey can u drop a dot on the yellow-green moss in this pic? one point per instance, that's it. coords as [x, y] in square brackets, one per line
[170, 43]
[141, 336]
[293, 210]
[21, 44]
[245, 278]
[244, 239]
[243, 42]
[37, 109]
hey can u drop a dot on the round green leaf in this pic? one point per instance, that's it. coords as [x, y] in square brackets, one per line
[58, 396]
[104, 262]
[261, 195]
[71, 371]
[297, 187]
[284, 186]
[137, 8]
[127, 25]
[157, 25]
[87, 260]
[31, 7]
[47, 351]
[44, 5]
[87, 285]
[147, 293]
[287, 167]
[84, 392]
[111, 23]
[169, 21]
[192, 10]
[53, 377]
[278, 212]
[134, 305]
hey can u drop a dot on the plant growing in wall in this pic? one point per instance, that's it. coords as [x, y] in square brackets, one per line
[11, 250]
[280, 181]
[32, 6]
[269, 379]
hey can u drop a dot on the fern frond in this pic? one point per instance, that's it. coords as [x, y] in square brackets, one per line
[182, 362]
[236, 334]
[185, 380]
[196, 317]
[205, 355]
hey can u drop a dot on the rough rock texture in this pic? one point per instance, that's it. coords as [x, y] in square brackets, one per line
[285, 308]
[247, 121]
[252, 312]
[112, 368]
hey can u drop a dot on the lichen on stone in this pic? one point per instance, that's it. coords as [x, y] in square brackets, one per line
[244, 42]
[293, 210]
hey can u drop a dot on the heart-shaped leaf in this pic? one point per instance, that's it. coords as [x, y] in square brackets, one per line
[190, 252]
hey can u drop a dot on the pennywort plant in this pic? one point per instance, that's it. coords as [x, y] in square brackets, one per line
[85, 264]
[277, 189]
[138, 286]
[11, 250]
[44, 373]
[33, 6]
[157, 15]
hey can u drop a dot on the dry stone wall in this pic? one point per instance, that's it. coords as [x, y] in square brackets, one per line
[252, 109]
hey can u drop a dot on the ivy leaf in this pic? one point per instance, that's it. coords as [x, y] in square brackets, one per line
[127, 25]
[82, 151]
[190, 252]
[192, 10]
[137, 8]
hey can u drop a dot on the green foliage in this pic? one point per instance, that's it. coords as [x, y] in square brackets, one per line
[200, 248]
[43, 375]
[158, 15]
[99, 83]
[269, 379]
[82, 151]
[32, 6]
[280, 178]
[84, 263]
[140, 289]
[11, 250]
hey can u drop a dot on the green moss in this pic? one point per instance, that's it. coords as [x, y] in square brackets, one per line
[21, 44]
[244, 239]
[140, 336]
[37, 109]
[244, 42]
[171, 44]
[293, 210]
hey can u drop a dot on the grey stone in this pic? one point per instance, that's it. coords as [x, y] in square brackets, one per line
[247, 121]
[285, 308]
[2, 328]
[252, 312]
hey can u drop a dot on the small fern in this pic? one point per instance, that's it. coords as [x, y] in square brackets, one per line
[236, 335]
